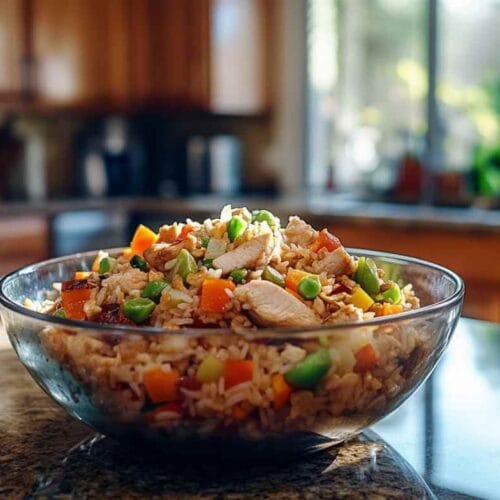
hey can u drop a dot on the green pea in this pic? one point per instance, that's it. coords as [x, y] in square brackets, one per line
[139, 263]
[104, 265]
[238, 275]
[309, 287]
[270, 274]
[366, 276]
[138, 309]
[308, 373]
[204, 241]
[185, 264]
[392, 295]
[208, 263]
[236, 227]
[153, 290]
[264, 216]
[60, 313]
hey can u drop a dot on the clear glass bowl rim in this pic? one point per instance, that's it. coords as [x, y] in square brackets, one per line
[454, 299]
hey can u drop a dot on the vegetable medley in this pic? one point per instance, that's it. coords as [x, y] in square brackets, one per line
[240, 270]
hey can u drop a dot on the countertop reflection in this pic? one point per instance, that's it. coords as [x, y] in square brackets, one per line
[449, 430]
[444, 442]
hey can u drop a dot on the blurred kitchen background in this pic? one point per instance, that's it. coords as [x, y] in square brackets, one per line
[377, 118]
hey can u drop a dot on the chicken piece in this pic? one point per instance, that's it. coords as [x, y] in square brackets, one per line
[168, 234]
[250, 254]
[270, 305]
[337, 262]
[299, 233]
[159, 254]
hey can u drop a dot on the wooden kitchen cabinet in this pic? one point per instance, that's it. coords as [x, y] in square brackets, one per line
[169, 43]
[209, 55]
[23, 240]
[80, 52]
[12, 49]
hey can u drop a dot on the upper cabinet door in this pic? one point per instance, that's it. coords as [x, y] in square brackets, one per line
[12, 37]
[209, 55]
[170, 53]
[239, 56]
[80, 52]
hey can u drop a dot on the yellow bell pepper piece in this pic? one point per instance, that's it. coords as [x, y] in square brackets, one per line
[81, 275]
[361, 299]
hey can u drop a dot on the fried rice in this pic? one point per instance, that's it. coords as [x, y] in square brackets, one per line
[235, 275]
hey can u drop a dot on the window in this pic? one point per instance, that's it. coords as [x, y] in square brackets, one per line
[396, 84]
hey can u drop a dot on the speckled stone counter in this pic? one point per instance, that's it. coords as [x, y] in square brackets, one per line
[448, 432]
[47, 454]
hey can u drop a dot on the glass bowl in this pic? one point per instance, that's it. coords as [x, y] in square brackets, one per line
[96, 371]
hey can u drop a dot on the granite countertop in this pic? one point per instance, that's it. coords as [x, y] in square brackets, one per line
[443, 442]
[336, 207]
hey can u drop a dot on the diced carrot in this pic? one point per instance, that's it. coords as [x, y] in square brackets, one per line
[173, 407]
[282, 390]
[81, 275]
[213, 294]
[186, 229]
[388, 309]
[162, 386]
[240, 411]
[237, 371]
[74, 294]
[293, 278]
[326, 240]
[366, 359]
[143, 239]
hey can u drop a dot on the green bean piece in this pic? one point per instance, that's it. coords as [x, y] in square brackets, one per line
[366, 276]
[392, 295]
[238, 275]
[270, 274]
[208, 263]
[138, 309]
[153, 290]
[264, 216]
[204, 241]
[139, 263]
[185, 264]
[60, 313]
[309, 287]
[104, 265]
[308, 373]
[236, 227]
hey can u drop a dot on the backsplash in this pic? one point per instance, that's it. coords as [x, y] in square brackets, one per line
[53, 156]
